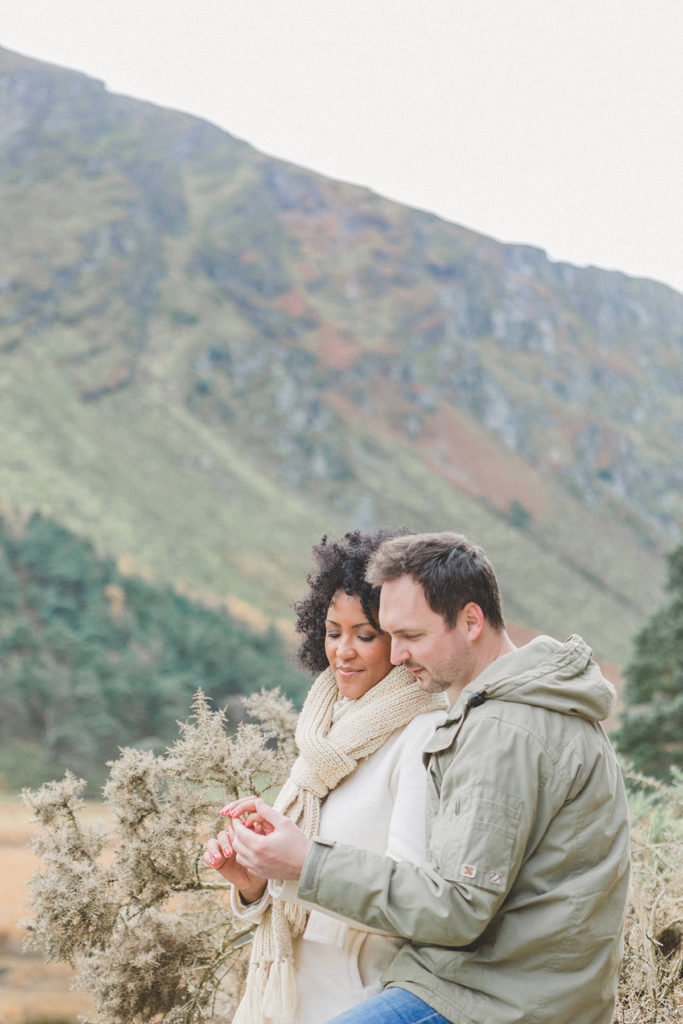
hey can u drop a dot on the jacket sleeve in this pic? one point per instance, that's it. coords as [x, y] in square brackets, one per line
[477, 842]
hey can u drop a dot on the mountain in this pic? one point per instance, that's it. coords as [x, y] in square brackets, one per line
[209, 358]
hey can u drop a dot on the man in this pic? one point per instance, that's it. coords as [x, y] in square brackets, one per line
[519, 915]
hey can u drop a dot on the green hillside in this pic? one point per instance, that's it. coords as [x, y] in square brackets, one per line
[210, 358]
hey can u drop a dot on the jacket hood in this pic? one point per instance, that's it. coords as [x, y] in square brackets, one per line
[546, 673]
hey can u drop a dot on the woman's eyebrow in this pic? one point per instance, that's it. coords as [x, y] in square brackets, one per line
[358, 625]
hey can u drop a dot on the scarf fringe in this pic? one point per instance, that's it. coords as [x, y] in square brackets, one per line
[279, 998]
[269, 996]
[250, 1010]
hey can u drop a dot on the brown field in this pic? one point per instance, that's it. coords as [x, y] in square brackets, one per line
[31, 991]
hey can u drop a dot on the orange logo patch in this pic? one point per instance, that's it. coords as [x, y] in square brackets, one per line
[469, 870]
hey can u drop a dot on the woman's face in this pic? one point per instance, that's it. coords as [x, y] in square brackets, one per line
[356, 651]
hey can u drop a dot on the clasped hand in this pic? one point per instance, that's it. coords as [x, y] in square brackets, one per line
[262, 844]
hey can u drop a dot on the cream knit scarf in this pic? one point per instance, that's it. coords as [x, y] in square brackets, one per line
[328, 752]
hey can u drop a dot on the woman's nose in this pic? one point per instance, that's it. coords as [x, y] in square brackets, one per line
[345, 648]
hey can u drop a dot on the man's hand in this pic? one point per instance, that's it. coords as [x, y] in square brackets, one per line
[269, 845]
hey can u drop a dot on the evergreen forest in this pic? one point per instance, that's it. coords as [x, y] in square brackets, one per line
[650, 733]
[92, 660]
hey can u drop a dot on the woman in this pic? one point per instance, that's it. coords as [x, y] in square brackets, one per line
[359, 778]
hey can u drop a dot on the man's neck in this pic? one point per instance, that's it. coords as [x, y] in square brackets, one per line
[493, 646]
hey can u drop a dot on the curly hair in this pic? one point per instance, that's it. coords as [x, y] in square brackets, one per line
[341, 566]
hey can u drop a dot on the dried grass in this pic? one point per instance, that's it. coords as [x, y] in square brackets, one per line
[651, 982]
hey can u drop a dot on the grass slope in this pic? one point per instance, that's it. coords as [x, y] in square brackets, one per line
[154, 485]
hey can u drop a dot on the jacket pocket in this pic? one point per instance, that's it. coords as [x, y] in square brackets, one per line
[478, 842]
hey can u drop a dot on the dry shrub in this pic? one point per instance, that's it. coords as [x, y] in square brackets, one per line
[132, 906]
[651, 982]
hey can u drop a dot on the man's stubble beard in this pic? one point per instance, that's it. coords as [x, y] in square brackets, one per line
[432, 685]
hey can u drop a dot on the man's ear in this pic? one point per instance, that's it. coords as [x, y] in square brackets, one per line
[473, 618]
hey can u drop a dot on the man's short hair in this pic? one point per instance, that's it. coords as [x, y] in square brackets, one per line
[451, 571]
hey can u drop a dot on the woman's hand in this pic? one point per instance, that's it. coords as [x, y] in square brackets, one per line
[267, 843]
[246, 805]
[220, 855]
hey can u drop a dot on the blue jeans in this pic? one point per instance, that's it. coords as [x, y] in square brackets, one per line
[392, 1006]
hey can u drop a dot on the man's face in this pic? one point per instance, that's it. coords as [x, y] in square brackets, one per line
[441, 659]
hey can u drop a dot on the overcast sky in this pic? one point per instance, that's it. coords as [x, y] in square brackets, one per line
[551, 122]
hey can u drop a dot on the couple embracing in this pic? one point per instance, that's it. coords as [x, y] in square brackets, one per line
[452, 844]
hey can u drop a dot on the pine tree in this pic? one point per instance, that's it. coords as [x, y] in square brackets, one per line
[650, 733]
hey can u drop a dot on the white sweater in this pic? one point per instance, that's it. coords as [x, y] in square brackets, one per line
[379, 807]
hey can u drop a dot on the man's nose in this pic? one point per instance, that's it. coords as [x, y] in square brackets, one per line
[399, 652]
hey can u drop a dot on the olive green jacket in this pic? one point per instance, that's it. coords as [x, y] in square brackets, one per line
[519, 916]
